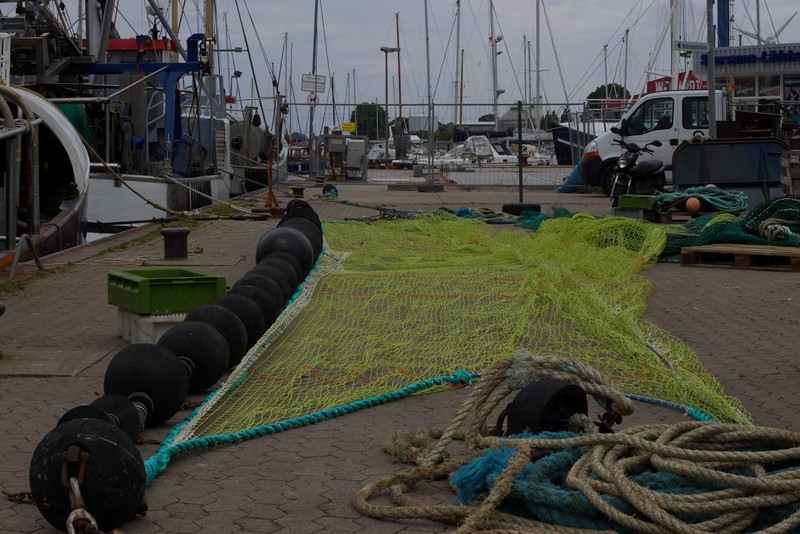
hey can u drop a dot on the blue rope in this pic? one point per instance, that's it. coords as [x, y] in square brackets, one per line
[693, 411]
[159, 461]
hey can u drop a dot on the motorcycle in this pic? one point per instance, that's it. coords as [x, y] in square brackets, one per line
[633, 177]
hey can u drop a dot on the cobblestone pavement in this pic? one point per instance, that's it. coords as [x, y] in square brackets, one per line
[59, 333]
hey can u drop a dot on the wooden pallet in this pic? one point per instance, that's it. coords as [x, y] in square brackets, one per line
[762, 257]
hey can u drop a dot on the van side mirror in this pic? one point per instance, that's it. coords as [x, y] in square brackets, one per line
[624, 127]
[616, 130]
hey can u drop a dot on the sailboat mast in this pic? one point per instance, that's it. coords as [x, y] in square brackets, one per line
[461, 94]
[493, 44]
[399, 78]
[430, 102]
[313, 70]
[209, 33]
[286, 77]
[676, 20]
[537, 110]
[458, 48]
[175, 28]
[625, 66]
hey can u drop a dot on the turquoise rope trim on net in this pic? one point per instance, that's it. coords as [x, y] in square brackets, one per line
[159, 461]
[692, 411]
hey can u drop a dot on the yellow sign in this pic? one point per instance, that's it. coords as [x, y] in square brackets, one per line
[348, 127]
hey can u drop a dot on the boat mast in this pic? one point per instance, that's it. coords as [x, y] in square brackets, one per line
[399, 131]
[493, 43]
[314, 73]
[286, 80]
[625, 66]
[399, 80]
[537, 111]
[676, 20]
[430, 102]
[461, 94]
[175, 27]
[458, 47]
[210, 35]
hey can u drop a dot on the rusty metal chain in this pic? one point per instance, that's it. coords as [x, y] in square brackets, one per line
[24, 497]
[80, 521]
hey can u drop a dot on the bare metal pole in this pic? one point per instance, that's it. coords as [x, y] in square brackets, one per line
[712, 100]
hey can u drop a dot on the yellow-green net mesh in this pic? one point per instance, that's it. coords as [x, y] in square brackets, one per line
[397, 302]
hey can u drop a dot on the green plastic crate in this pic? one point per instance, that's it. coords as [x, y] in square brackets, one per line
[637, 202]
[163, 291]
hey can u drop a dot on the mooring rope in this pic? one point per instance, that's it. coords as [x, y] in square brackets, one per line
[703, 450]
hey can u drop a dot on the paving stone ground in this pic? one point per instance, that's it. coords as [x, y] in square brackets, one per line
[59, 333]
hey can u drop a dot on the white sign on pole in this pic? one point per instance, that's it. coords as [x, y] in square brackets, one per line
[690, 46]
[313, 83]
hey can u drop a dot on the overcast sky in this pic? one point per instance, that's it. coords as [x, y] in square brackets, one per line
[351, 33]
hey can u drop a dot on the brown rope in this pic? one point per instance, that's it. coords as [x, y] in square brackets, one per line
[695, 449]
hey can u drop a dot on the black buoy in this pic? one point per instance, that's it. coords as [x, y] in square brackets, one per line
[545, 405]
[115, 409]
[96, 458]
[277, 276]
[309, 229]
[152, 377]
[270, 306]
[290, 241]
[228, 324]
[288, 265]
[267, 284]
[248, 312]
[301, 208]
[204, 346]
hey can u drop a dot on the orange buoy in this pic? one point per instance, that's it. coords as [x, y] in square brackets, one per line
[692, 204]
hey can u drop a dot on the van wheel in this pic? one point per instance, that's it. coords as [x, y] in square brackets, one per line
[607, 179]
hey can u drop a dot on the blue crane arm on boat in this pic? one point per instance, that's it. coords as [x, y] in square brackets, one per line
[167, 74]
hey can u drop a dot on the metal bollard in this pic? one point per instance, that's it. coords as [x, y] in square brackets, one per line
[175, 243]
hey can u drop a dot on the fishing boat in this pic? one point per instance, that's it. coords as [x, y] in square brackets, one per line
[150, 111]
[45, 170]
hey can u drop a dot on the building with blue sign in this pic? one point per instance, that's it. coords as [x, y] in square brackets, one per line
[753, 73]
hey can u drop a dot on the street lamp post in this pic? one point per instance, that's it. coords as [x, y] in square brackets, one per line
[386, 51]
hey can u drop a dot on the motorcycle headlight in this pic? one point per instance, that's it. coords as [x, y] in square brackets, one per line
[622, 163]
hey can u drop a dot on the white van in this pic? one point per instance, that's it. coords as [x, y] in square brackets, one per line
[670, 117]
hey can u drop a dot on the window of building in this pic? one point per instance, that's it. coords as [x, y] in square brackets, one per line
[745, 86]
[791, 87]
[769, 85]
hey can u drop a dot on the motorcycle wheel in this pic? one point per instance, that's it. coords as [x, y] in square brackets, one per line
[607, 179]
[620, 189]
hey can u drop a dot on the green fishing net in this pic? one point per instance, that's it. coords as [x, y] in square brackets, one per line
[392, 303]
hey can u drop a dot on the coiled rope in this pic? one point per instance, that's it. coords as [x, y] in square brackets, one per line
[711, 198]
[716, 452]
